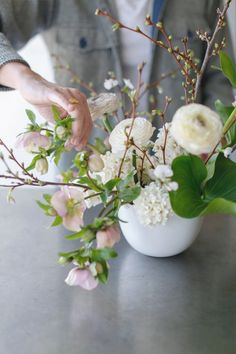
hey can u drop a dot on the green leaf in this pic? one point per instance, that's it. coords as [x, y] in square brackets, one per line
[43, 206]
[103, 277]
[57, 221]
[220, 206]
[107, 124]
[47, 197]
[130, 194]
[112, 183]
[193, 198]
[223, 182]
[90, 182]
[57, 154]
[103, 254]
[33, 162]
[228, 67]
[31, 116]
[225, 112]
[100, 146]
[189, 173]
[125, 183]
[56, 113]
[86, 234]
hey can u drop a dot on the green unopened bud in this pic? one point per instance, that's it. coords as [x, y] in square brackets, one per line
[95, 163]
[99, 268]
[61, 132]
[116, 26]
[62, 260]
[41, 166]
[159, 25]
[51, 212]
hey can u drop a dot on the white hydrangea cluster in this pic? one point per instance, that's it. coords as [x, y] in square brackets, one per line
[111, 166]
[172, 148]
[153, 204]
[93, 201]
[163, 173]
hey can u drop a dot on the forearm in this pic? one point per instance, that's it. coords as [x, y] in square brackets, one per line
[12, 73]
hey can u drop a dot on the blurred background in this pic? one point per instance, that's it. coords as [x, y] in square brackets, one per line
[13, 118]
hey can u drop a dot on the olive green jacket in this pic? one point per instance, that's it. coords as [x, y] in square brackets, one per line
[87, 43]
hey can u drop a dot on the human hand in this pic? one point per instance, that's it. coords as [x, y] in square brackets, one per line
[42, 94]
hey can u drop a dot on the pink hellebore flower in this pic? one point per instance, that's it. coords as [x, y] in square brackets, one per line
[32, 141]
[69, 204]
[108, 237]
[81, 277]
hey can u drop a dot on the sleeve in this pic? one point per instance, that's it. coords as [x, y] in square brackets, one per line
[214, 84]
[20, 20]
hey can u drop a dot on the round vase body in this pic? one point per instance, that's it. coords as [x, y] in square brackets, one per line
[160, 240]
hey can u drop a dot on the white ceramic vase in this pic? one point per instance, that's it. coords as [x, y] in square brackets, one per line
[158, 241]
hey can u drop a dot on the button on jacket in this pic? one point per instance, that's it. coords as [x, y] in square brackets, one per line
[87, 43]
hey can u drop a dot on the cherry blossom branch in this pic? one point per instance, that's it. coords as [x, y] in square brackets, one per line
[156, 83]
[136, 98]
[178, 55]
[162, 114]
[175, 52]
[210, 43]
[74, 76]
[30, 180]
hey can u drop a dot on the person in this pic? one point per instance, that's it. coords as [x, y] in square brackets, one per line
[87, 43]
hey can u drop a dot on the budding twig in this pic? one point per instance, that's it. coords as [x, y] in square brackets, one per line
[210, 43]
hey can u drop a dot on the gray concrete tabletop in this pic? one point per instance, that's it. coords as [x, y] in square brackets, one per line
[180, 305]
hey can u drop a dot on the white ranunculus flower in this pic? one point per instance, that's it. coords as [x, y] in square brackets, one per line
[103, 103]
[196, 128]
[141, 133]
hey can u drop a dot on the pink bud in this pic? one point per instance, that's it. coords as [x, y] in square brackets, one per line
[41, 166]
[81, 277]
[108, 237]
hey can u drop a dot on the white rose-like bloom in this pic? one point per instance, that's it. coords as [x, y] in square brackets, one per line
[153, 204]
[172, 148]
[141, 133]
[196, 128]
[101, 104]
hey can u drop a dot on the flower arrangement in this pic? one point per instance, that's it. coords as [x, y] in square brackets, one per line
[186, 162]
